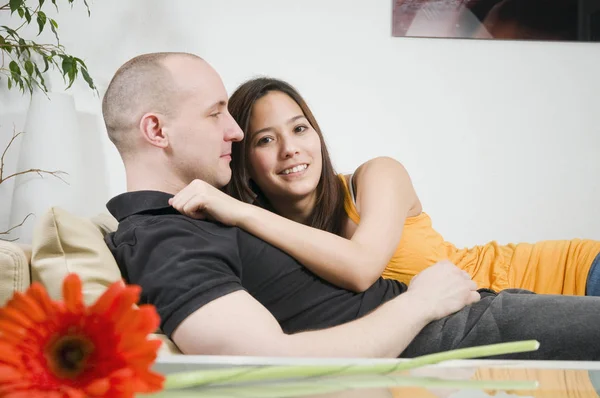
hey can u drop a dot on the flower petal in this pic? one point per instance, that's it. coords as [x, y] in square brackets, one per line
[9, 354]
[72, 293]
[120, 364]
[154, 381]
[125, 302]
[12, 315]
[73, 393]
[121, 383]
[26, 304]
[145, 352]
[98, 388]
[104, 302]
[11, 338]
[142, 320]
[8, 374]
[148, 382]
[40, 295]
[24, 394]
[12, 331]
[33, 392]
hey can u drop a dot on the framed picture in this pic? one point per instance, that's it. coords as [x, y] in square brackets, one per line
[555, 20]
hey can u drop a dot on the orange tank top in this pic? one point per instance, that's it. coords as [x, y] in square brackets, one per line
[551, 267]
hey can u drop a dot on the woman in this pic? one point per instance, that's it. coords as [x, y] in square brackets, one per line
[352, 229]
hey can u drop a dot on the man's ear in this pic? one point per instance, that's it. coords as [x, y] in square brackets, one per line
[151, 126]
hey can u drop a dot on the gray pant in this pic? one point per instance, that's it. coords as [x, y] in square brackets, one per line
[567, 327]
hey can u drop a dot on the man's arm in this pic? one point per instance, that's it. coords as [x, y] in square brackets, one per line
[236, 324]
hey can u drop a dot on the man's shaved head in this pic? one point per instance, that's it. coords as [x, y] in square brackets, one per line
[167, 115]
[143, 84]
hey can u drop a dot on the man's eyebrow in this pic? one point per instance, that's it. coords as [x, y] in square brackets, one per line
[217, 105]
[292, 120]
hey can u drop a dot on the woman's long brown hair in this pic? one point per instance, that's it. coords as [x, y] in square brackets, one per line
[329, 213]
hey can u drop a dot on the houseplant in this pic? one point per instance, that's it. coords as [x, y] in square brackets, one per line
[25, 63]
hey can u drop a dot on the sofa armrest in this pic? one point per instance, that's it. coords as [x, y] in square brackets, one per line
[15, 272]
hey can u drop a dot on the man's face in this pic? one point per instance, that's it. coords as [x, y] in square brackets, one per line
[200, 129]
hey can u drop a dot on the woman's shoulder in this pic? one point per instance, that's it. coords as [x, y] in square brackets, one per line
[382, 170]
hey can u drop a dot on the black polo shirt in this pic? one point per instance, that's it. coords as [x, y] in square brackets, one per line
[182, 264]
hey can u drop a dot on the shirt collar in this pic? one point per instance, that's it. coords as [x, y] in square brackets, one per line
[130, 203]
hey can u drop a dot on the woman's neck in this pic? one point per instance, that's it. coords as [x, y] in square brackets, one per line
[296, 210]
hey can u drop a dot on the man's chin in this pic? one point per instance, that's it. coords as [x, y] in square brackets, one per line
[223, 180]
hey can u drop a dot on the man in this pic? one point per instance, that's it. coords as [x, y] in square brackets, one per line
[220, 290]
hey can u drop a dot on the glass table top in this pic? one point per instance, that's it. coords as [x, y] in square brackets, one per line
[452, 379]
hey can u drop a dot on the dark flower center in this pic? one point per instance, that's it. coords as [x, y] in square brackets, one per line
[68, 355]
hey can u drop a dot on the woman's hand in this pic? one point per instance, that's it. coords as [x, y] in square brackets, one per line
[201, 200]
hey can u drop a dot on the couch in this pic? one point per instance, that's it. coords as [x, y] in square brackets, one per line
[63, 243]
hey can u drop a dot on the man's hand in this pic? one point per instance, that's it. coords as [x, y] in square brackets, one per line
[201, 200]
[443, 289]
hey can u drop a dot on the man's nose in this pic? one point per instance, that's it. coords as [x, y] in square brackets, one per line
[234, 132]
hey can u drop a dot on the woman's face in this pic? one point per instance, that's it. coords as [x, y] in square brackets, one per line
[284, 149]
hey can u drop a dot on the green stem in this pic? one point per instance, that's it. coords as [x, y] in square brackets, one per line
[32, 15]
[337, 384]
[253, 374]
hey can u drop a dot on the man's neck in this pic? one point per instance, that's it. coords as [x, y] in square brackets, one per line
[145, 178]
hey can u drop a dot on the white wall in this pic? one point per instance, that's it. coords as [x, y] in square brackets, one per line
[502, 138]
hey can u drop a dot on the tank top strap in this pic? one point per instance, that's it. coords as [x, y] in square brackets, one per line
[349, 202]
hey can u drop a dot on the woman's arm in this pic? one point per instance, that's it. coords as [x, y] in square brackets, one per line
[384, 197]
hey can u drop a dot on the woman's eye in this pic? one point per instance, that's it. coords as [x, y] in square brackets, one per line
[216, 114]
[264, 140]
[300, 129]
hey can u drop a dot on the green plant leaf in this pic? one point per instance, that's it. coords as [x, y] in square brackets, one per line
[29, 67]
[72, 74]
[46, 65]
[26, 71]
[54, 26]
[24, 47]
[41, 20]
[27, 82]
[88, 78]
[67, 65]
[14, 69]
[15, 5]
[40, 78]
[21, 85]
[11, 32]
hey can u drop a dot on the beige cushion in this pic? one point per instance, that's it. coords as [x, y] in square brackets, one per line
[14, 270]
[63, 243]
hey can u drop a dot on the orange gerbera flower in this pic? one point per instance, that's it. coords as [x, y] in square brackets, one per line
[67, 349]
